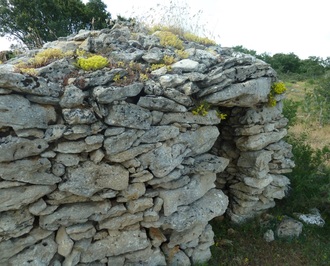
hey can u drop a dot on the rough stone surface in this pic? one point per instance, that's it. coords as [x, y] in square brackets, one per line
[90, 178]
[13, 148]
[115, 244]
[29, 171]
[17, 112]
[289, 228]
[16, 197]
[114, 167]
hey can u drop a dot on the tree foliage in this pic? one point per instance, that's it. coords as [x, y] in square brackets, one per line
[35, 22]
[288, 64]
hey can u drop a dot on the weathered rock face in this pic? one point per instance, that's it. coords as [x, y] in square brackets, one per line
[96, 171]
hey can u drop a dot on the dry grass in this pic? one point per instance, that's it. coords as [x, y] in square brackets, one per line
[297, 90]
[318, 137]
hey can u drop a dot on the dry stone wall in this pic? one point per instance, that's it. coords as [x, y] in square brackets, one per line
[93, 172]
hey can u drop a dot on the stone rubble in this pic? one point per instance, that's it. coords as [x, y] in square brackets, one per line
[93, 172]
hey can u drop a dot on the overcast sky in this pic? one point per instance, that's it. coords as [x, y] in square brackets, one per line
[281, 26]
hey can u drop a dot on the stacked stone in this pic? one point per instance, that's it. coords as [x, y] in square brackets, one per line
[96, 172]
[259, 158]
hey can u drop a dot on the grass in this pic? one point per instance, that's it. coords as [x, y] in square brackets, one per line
[244, 245]
[318, 137]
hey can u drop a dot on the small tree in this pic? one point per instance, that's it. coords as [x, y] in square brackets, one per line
[35, 22]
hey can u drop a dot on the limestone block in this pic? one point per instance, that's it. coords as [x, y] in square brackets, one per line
[154, 55]
[132, 153]
[115, 244]
[159, 103]
[129, 115]
[38, 254]
[132, 192]
[269, 235]
[139, 205]
[119, 223]
[186, 65]
[209, 163]
[146, 257]
[258, 183]
[201, 255]
[76, 147]
[15, 223]
[16, 197]
[33, 171]
[74, 257]
[142, 176]
[58, 169]
[78, 228]
[178, 183]
[206, 57]
[64, 242]
[274, 192]
[37, 207]
[13, 148]
[115, 211]
[28, 84]
[161, 161]
[78, 116]
[200, 140]
[178, 97]
[54, 132]
[210, 119]
[190, 87]
[260, 141]
[117, 260]
[213, 203]
[193, 191]
[59, 69]
[183, 237]
[172, 80]
[245, 94]
[68, 159]
[97, 156]
[261, 115]
[75, 132]
[73, 213]
[32, 132]
[72, 97]
[106, 95]
[159, 133]
[215, 88]
[90, 178]
[150, 216]
[175, 257]
[12, 247]
[280, 181]
[289, 227]
[121, 142]
[255, 163]
[245, 188]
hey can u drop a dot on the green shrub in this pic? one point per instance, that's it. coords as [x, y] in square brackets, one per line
[276, 88]
[47, 56]
[182, 54]
[201, 109]
[310, 178]
[42, 58]
[94, 62]
[167, 38]
[202, 40]
[290, 109]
